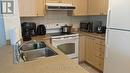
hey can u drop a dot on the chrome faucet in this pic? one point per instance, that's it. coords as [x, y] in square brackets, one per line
[18, 52]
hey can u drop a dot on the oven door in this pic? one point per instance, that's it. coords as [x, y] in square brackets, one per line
[68, 45]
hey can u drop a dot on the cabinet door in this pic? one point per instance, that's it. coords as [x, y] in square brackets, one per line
[82, 49]
[89, 54]
[105, 7]
[94, 7]
[52, 1]
[41, 7]
[99, 63]
[27, 8]
[67, 1]
[99, 53]
[81, 8]
[94, 52]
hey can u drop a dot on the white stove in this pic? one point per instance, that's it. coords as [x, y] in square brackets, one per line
[66, 43]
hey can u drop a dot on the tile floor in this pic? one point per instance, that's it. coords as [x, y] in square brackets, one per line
[89, 68]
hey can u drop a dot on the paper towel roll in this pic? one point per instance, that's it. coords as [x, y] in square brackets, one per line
[15, 35]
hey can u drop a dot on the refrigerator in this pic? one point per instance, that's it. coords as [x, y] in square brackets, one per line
[117, 52]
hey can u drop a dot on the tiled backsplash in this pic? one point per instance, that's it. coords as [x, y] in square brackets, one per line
[61, 17]
[99, 18]
[55, 17]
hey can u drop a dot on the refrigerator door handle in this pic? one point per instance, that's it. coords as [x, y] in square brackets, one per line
[108, 18]
[106, 43]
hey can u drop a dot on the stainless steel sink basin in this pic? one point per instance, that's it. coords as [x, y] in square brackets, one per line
[32, 45]
[34, 54]
[32, 50]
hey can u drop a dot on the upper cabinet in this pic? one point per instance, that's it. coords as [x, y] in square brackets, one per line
[81, 8]
[67, 1]
[94, 7]
[58, 1]
[29, 8]
[41, 7]
[105, 7]
[85, 7]
[97, 7]
[52, 1]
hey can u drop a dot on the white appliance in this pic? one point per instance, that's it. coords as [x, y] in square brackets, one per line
[59, 6]
[117, 55]
[67, 43]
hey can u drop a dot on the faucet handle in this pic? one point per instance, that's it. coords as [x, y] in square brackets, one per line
[19, 42]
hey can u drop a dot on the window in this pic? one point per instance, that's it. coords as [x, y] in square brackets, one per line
[2, 32]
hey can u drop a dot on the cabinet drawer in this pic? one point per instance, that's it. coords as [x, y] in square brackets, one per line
[99, 41]
[99, 47]
[52, 1]
[99, 54]
[99, 64]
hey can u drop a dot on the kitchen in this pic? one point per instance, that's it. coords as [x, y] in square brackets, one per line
[85, 46]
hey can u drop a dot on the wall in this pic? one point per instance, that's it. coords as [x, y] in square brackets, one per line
[55, 17]
[99, 18]
[12, 21]
[2, 32]
[61, 17]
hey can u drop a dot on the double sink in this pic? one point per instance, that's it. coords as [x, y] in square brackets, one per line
[33, 50]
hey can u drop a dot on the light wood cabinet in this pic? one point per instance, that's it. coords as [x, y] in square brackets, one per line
[81, 8]
[52, 1]
[82, 48]
[29, 8]
[94, 52]
[105, 7]
[58, 1]
[89, 50]
[94, 7]
[41, 8]
[67, 1]
[97, 7]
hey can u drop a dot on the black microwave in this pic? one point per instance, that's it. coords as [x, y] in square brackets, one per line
[89, 26]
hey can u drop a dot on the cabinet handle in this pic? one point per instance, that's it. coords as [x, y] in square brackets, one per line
[101, 12]
[100, 64]
[100, 48]
[106, 43]
[108, 18]
[60, 1]
[100, 55]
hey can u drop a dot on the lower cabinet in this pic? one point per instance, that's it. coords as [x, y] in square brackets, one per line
[93, 51]
[89, 50]
[82, 48]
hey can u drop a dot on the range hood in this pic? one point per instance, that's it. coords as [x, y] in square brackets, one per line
[59, 6]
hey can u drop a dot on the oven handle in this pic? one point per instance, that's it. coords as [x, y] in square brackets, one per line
[64, 38]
